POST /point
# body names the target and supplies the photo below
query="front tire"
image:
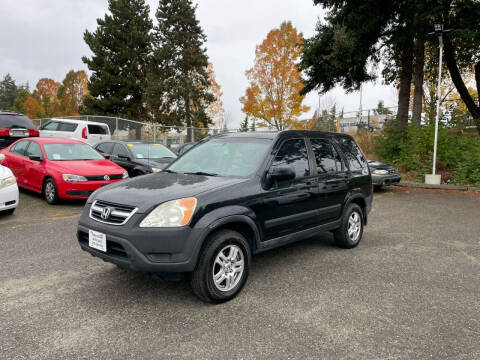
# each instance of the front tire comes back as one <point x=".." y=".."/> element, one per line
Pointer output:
<point x="222" y="268"/>
<point x="8" y="212"/>
<point x="351" y="230"/>
<point x="50" y="191"/>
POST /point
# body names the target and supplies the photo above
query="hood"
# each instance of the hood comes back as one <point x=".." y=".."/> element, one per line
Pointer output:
<point x="5" y="172"/>
<point x="156" y="163"/>
<point x="147" y="191"/>
<point x="88" y="167"/>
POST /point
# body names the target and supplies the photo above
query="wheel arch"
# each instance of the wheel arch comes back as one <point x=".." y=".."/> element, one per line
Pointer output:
<point x="242" y="224"/>
<point x="360" y="201"/>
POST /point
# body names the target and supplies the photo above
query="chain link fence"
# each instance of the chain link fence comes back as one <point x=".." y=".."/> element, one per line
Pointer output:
<point x="124" y="129"/>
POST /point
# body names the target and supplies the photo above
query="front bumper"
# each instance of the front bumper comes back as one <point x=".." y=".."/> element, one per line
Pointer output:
<point x="9" y="197"/>
<point x="149" y="250"/>
<point x="80" y="190"/>
<point x="385" y="180"/>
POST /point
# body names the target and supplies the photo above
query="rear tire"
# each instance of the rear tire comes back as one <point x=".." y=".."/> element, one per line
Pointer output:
<point x="50" y="191"/>
<point x="222" y="268"/>
<point x="350" y="232"/>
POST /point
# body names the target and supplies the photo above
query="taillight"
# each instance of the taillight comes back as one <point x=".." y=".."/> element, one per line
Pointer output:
<point x="33" y="132"/>
<point x="84" y="133"/>
<point x="4" y="132"/>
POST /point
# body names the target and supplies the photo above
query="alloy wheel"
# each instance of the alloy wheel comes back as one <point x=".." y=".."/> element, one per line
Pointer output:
<point x="228" y="268"/>
<point x="354" y="226"/>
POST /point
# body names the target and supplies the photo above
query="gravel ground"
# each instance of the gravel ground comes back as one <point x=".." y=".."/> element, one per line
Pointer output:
<point x="410" y="290"/>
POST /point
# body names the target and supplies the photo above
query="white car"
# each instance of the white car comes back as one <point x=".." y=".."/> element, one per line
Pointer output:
<point x="87" y="131"/>
<point x="8" y="189"/>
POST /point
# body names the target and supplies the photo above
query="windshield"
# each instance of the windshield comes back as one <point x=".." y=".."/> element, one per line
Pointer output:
<point x="65" y="152"/>
<point x="150" y="151"/>
<point x="224" y="157"/>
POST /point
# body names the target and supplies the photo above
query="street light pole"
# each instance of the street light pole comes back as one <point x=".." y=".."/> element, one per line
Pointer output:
<point x="438" y="28"/>
<point x="433" y="178"/>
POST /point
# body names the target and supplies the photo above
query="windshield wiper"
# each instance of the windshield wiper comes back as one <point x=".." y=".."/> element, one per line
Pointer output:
<point x="201" y="173"/>
<point x="169" y="171"/>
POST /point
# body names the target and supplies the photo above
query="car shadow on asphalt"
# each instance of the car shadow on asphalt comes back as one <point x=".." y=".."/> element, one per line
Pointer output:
<point x="60" y="202"/>
<point x="150" y="290"/>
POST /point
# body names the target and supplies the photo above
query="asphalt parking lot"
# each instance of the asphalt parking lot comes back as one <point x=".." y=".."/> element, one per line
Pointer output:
<point x="411" y="290"/>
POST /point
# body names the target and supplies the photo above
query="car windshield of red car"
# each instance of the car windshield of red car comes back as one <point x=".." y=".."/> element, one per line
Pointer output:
<point x="71" y="152"/>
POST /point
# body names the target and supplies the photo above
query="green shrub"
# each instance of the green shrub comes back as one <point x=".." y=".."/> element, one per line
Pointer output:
<point x="458" y="152"/>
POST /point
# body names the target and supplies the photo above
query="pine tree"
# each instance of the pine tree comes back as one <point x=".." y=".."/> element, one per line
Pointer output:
<point x="8" y="92"/>
<point x="121" y="45"/>
<point x="253" y="126"/>
<point x="244" y="125"/>
<point x="178" y="84"/>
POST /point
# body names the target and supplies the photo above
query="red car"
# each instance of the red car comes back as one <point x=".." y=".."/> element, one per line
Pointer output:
<point x="60" y="168"/>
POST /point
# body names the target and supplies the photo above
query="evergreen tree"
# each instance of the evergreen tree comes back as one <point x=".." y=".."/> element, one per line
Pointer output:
<point x="253" y="126"/>
<point x="244" y="125"/>
<point x="178" y="84"/>
<point x="8" y="92"/>
<point x="22" y="96"/>
<point x="121" y="45"/>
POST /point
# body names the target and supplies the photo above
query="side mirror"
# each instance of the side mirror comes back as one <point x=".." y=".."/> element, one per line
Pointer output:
<point x="2" y="157"/>
<point x="282" y="173"/>
<point x="105" y="155"/>
<point x="35" y="158"/>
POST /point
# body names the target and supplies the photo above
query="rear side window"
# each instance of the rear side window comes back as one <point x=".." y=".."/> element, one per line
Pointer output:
<point x="98" y="129"/>
<point x="353" y="155"/>
<point x="8" y="121"/>
<point x="19" y="148"/>
<point x="294" y="153"/>
<point x="67" y="127"/>
<point x="106" y="148"/>
<point x="327" y="159"/>
<point x="34" y="150"/>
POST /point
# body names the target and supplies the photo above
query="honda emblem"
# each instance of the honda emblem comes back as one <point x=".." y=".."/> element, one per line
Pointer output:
<point x="106" y="213"/>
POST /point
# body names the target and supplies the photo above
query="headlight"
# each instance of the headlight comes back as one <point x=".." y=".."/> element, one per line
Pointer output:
<point x="155" y="170"/>
<point x="380" y="172"/>
<point x="7" y="182"/>
<point x="73" y="178"/>
<point x="125" y="175"/>
<point x="171" y="214"/>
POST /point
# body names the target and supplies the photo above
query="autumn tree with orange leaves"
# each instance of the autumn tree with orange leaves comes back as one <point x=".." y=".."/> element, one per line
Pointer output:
<point x="72" y="92"/>
<point x="46" y="95"/>
<point x="215" y="110"/>
<point x="273" y="97"/>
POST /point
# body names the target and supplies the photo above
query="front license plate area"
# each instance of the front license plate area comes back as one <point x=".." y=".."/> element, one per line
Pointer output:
<point x="97" y="240"/>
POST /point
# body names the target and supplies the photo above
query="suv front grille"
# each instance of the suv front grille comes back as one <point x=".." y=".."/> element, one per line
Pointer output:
<point x="110" y="213"/>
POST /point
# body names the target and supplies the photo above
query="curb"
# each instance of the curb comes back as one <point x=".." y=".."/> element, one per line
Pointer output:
<point x="440" y="187"/>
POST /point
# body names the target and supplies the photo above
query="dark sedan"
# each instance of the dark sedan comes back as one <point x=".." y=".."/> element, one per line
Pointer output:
<point x="137" y="157"/>
<point x="383" y="174"/>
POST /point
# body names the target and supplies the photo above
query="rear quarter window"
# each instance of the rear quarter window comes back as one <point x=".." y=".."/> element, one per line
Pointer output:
<point x="9" y="121"/>
<point x="98" y="129"/>
<point x="353" y="155"/>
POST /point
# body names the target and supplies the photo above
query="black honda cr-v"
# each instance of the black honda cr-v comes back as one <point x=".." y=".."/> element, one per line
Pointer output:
<point x="229" y="197"/>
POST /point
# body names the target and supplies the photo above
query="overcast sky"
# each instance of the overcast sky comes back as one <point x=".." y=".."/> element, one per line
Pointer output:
<point x="45" y="39"/>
